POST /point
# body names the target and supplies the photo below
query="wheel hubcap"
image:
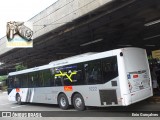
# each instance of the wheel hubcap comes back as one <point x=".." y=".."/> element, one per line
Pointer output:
<point x="63" y="102"/>
<point x="18" y="99"/>
<point x="78" y="102"/>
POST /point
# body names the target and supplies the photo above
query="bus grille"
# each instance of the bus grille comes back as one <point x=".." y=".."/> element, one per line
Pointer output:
<point x="108" y="97"/>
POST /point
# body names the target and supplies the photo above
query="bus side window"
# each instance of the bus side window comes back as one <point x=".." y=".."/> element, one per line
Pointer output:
<point x="93" y="72"/>
<point x="109" y="68"/>
<point x="47" y="78"/>
<point x="75" y="74"/>
<point x="10" y="82"/>
<point x="24" y="80"/>
<point x="52" y="72"/>
<point x="36" y="79"/>
<point x="32" y="80"/>
<point x="80" y="76"/>
<point x="41" y="79"/>
<point x="57" y="77"/>
<point x="16" y="82"/>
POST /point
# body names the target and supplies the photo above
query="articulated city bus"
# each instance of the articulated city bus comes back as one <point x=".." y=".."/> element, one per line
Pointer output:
<point x="118" y="77"/>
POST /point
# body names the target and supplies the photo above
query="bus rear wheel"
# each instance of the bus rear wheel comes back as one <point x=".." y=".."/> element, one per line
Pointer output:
<point x="18" y="99"/>
<point x="78" y="102"/>
<point x="63" y="101"/>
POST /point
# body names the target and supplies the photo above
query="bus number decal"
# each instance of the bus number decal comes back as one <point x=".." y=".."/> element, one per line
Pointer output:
<point x="92" y="88"/>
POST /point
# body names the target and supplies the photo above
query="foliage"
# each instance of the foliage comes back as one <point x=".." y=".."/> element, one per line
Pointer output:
<point x="3" y="78"/>
<point x="20" y="67"/>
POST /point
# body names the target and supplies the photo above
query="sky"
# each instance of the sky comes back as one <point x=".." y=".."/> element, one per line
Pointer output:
<point x="20" y="10"/>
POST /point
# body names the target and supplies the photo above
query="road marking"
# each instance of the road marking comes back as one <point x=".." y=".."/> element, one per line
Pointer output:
<point x="5" y="104"/>
<point x="17" y="106"/>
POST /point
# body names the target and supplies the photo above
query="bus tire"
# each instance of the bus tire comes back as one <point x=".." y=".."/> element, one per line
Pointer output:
<point x="63" y="101"/>
<point x="78" y="102"/>
<point x="18" y="99"/>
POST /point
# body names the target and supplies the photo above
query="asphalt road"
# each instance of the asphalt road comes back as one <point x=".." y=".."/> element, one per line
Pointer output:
<point x="112" y="113"/>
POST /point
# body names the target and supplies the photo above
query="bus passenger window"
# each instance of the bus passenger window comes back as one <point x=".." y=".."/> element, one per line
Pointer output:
<point x="47" y="78"/>
<point x="33" y="79"/>
<point x="93" y="72"/>
<point x="10" y="82"/>
<point x="23" y="80"/>
<point x="74" y="75"/>
<point x="16" y="82"/>
<point x="58" y="77"/>
<point x="109" y="68"/>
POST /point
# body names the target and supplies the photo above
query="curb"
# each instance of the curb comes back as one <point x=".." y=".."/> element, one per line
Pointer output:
<point x="3" y="92"/>
<point x="155" y="99"/>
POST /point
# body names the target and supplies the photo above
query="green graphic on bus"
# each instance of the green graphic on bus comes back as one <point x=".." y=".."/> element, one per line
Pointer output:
<point x="65" y="74"/>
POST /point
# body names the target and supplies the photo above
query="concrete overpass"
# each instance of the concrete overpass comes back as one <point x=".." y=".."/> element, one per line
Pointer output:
<point x="70" y="27"/>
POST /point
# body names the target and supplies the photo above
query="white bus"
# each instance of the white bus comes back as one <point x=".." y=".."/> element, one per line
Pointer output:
<point x="118" y="77"/>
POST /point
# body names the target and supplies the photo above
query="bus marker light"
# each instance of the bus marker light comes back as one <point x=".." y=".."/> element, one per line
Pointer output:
<point x="135" y="76"/>
<point x="68" y="88"/>
<point x="17" y="90"/>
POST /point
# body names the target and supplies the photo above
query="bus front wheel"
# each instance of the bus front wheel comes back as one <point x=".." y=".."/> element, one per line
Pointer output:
<point x="18" y="99"/>
<point x="63" y="101"/>
<point x="78" y="102"/>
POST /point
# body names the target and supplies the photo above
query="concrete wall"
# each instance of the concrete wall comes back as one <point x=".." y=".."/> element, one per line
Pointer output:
<point x="3" y="48"/>
<point x="58" y="14"/>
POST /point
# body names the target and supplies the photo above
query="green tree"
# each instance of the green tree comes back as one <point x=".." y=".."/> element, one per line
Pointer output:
<point x="20" y="67"/>
<point x="3" y="78"/>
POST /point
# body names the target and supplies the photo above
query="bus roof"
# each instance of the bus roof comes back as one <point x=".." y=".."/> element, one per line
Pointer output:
<point x="29" y="70"/>
<point x="72" y="60"/>
<point x="51" y="64"/>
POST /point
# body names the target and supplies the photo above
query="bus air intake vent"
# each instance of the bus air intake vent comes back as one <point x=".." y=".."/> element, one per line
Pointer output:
<point x="108" y="97"/>
<point x="114" y="83"/>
